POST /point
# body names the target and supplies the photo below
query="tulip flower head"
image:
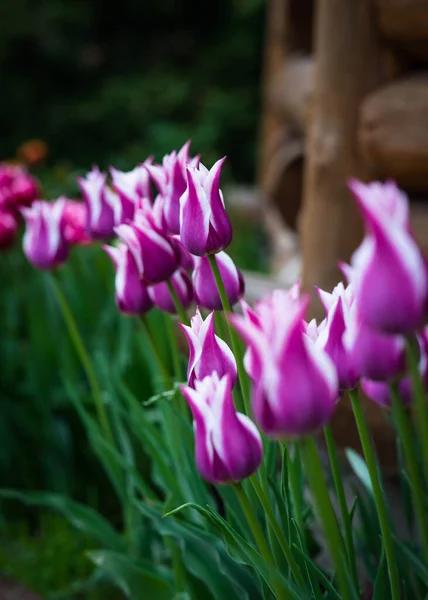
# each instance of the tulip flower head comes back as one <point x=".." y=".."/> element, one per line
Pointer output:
<point x="73" y="223"/>
<point x="130" y="187"/>
<point x="295" y="388"/>
<point x="43" y="242"/>
<point x="205" y="227"/>
<point x="8" y="229"/>
<point x="228" y="447"/>
<point x="390" y="278"/>
<point x="171" y="181"/>
<point x="206" y="292"/>
<point x="161" y="296"/>
<point x="131" y="294"/>
<point x="17" y="187"/>
<point x="155" y="255"/>
<point x="103" y="205"/>
<point x="207" y="352"/>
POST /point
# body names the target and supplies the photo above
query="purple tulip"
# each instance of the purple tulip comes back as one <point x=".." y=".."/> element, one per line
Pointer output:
<point x="390" y="280"/>
<point x="17" y="188"/>
<point x="228" y="447"/>
<point x="130" y="187"/>
<point x="104" y="206"/>
<point x="43" y="242"/>
<point x="251" y="364"/>
<point x="204" y="225"/>
<point x="8" y="228"/>
<point x="187" y="261"/>
<point x="207" y="352"/>
<point x="131" y="293"/>
<point x="156" y="258"/>
<point x="206" y="292"/>
<point x="295" y="389"/>
<point x="171" y="181"/>
<point x="161" y="296"/>
<point x="330" y="336"/>
<point x="379" y="391"/>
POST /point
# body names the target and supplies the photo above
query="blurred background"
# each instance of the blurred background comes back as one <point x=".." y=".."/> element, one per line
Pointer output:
<point x="98" y="82"/>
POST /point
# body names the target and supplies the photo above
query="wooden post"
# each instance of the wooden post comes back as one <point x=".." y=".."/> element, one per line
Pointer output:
<point x="345" y="70"/>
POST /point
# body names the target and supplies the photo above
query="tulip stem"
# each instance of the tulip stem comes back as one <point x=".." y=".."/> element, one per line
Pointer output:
<point x="340" y="492"/>
<point x="259" y="537"/>
<point x="378" y="495"/>
<point x="86" y="362"/>
<point x="405" y="431"/>
<point x="233" y="336"/>
<point x="175" y="353"/>
<point x="421" y="406"/>
<point x="178" y="305"/>
<point x="321" y="498"/>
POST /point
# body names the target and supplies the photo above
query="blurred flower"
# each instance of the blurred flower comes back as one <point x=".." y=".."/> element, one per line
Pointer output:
<point x="130" y="187"/>
<point x="73" y="222"/>
<point x="186" y="260"/>
<point x="379" y="391"/>
<point x="171" y="180"/>
<point x="43" y="242"/>
<point x="228" y="447"/>
<point x="207" y="352"/>
<point x="33" y="152"/>
<point x="132" y="297"/>
<point x="8" y="229"/>
<point x="103" y="205"/>
<point x="17" y="187"/>
<point x="251" y="364"/>
<point x="154" y="254"/>
<point x="205" y="227"/>
<point x="295" y="388"/>
<point x="389" y="276"/>
<point x="206" y="292"/>
<point x="161" y="296"/>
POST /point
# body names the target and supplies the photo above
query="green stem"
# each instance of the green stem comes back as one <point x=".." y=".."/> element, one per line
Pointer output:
<point x="178" y="305"/>
<point x="86" y="362"/>
<point x="277" y="529"/>
<point x="321" y="498"/>
<point x="175" y="353"/>
<point x="379" y="499"/>
<point x="421" y="406"/>
<point x="340" y="492"/>
<point x="296" y="492"/>
<point x="259" y="537"/>
<point x="405" y="430"/>
<point x="243" y="379"/>
<point x="155" y="352"/>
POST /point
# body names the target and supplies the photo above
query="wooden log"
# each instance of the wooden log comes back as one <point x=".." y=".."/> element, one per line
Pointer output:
<point x="405" y="22"/>
<point x="393" y="132"/>
<point x="346" y="69"/>
<point x="291" y="90"/>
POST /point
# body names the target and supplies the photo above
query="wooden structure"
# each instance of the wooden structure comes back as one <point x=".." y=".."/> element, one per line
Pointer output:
<point x="345" y="94"/>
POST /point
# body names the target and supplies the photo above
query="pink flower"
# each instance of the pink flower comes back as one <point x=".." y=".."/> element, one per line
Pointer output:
<point x="17" y="187"/>
<point x="43" y="243"/>
<point x="73" y="224"/>
<point x="161" y="296"/>
<point x="228" y="447"/>
<point x="204" y="225"/>
<point x="132" y="297"/>
<point x="131" y="186"/>
<point x="208" y="353"/>
<point x="103" y="205"/>
<point x="206" y="292"/>
<point x="8" y="229"/>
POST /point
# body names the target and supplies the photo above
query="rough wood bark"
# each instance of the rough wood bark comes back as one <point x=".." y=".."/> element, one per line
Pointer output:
<point x="393" y="132"/>
<point x="291" y="90"/>
<point x="345" y="51"/>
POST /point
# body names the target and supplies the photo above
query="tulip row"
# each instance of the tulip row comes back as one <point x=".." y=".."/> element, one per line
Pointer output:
<point x="169" y="252"/>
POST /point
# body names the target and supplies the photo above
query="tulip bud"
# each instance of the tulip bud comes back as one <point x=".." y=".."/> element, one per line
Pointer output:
<point x="204" y="225"/>
<point x="207" y="352"/>
<point x="171" y="181"/>
<point x="8" y="229"/>
<point x="296" y="388"/>
<point x="161" y="296"/>
<point x="43" y="243"/>
<point x="103" y="205"/>
<point x="155" y="256"/>
<point x="73" y="222"/>
<point x="228" y="447"/>
<point x="131" y="294"/>
<point x="130" y="187"/>
<point x="206" y="292"/>
<point x="390" y="279"/>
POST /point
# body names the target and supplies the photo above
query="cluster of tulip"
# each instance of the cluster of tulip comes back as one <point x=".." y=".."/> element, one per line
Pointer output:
<point x="169" y="252"/>
<point x="17" y="189"/>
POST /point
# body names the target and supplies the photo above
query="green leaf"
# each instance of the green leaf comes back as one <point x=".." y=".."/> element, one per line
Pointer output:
<point x="82" y="517"/>
<point x="136" y="581"/>
<point x="406" y="554"/>
<point x="381" y="584"/>
<point x="319" y="575"/>
<point x="359" y="467"/>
